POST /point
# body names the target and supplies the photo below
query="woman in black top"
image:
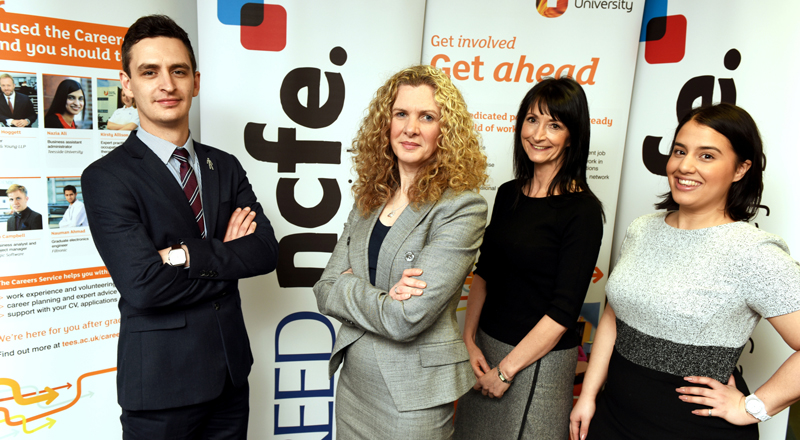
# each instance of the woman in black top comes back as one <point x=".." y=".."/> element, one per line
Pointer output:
<point x="536" y="262"/>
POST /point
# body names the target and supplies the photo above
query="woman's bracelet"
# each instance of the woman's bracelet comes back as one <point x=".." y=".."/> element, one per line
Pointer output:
<point x="502" y="377"/>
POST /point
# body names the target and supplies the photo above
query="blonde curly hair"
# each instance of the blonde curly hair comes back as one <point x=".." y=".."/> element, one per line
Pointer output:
<point x="458" y="162"/>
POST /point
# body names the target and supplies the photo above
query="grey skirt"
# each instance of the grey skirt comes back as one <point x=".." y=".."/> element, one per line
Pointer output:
<point x="536" y="406"/>
<point x="365" y="409"/>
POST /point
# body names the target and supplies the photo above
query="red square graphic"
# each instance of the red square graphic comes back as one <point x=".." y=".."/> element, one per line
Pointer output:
<point x="672" y="46"/>
<point x="269" y="34"/>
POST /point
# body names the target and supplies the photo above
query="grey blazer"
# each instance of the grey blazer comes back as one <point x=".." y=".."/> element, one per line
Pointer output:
<point x="420" y="350"/>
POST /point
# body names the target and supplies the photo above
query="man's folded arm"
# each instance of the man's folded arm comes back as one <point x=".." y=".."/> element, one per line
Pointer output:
<point x="247" y="256"/>
<point x="135" y="264"/>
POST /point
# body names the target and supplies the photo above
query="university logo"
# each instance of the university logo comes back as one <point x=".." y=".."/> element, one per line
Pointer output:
<point x="263" y="27"/>
<point x="551" y="8"/>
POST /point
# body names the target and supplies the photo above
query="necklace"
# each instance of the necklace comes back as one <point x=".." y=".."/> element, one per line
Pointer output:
<point x="391" y="213"/>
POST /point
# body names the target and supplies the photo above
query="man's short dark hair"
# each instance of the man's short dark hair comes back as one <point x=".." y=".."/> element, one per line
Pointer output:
<point x="152" y="26"/>
<point x="70" y="188"/>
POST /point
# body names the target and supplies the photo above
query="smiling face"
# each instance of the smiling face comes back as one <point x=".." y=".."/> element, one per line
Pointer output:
<point x="162" y="83"/>
<point x="75" y="102"/>
<point x="414" y="127"/>
<point x="543" y="137"/>
<point x="18" y="201"/>
<point x="7" y="86"/>
<point x="701" y="169"/>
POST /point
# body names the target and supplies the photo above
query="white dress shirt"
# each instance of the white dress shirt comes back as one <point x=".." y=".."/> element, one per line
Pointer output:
<point x="75" y="216"/>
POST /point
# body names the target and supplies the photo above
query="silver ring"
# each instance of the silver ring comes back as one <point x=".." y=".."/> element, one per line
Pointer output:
<point x="709" y="412"/>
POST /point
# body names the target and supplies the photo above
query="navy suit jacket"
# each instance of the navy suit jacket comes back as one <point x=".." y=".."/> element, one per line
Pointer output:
<point x="23" y="108"/>
<point x="181" y="330"/>
<point x="30" y="220"/>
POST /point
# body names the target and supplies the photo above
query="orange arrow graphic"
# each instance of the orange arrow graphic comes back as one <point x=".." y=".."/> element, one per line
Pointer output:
<point x="597" y="275"/>
<point x="48" y="396"/>
<point x="67" y="386"/>
<point x="74" y="401"/>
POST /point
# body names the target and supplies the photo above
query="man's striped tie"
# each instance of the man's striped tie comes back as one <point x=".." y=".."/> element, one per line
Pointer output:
<point x="190" y="188"/>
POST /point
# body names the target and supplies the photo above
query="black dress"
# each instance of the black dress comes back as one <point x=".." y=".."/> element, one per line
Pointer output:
<point x="537" y="257"/>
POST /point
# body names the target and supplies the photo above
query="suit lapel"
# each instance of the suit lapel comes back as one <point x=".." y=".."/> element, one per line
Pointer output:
<point x="4" y="106"/>
<point x="163" y="180"/>
<point x="210" y="179"/>
<point x="25" y="221"/>
<point x="408" y="220"/>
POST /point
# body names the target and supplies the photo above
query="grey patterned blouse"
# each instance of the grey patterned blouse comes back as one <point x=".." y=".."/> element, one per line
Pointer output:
<point x="687" y="300"/>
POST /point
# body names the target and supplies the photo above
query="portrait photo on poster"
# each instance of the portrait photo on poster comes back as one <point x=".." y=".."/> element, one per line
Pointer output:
<point x="20" y="103"/>
<point x="115" y="110"/>
<point x="67" y="102"/>
<point x="65" y="203"/>
<point x="16" y="213"/>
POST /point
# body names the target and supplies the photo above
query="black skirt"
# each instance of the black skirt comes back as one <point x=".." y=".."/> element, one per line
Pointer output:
<point x="640" y="403"/>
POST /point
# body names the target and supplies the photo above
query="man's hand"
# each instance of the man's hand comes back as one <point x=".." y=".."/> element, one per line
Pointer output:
<point x="240" y="224"/>
<point x="19" y="123"/>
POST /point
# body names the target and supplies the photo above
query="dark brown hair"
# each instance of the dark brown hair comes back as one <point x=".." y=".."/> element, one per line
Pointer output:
<point x="152" y="26"/>
<point x="744" y="196"/>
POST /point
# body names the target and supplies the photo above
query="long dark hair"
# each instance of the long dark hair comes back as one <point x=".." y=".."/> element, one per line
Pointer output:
<point x="733" y="122"/>
<point x="564" y="100"/>
<point x="59" y="104"/>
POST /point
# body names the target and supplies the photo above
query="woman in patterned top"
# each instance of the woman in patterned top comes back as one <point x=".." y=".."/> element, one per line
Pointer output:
<point x="690" y="286"/>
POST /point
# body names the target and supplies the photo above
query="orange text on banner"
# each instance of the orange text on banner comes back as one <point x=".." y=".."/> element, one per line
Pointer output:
<point x="61" y="276"/>
<point x="55" y="41"/>
<point x="514" y="72"/>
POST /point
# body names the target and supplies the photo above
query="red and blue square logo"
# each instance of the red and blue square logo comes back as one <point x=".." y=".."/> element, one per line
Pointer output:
<point x="664" y="35"/>
<point x="263" y="27"/>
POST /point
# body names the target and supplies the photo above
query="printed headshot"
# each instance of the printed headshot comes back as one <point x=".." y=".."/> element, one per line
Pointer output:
<point x="65" y="203"/>
<point x="68" y="102"/>
<point x="20" y="102"/>
<point x="16" y="214"/>
<point x="115" y="110"/>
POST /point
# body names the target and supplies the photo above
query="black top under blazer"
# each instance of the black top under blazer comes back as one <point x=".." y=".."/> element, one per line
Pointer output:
<point x="420" y="349"/>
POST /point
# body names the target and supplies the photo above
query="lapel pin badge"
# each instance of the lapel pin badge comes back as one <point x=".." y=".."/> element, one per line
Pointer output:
<point x="409" y="256"/>
<point x="210" y="164"/>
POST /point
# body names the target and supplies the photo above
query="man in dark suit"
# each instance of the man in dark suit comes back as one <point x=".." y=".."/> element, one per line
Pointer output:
<point x="177" y="224"/>
<point x="24" y="218"/>
<point x="16" y="109"/>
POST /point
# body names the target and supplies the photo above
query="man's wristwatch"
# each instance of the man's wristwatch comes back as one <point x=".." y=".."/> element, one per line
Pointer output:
<point x="755" y="407"/>
<point x="176" y="256"/>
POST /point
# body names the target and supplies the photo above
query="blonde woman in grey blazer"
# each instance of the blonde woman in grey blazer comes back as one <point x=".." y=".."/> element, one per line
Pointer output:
<point x="395" y="277"/>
